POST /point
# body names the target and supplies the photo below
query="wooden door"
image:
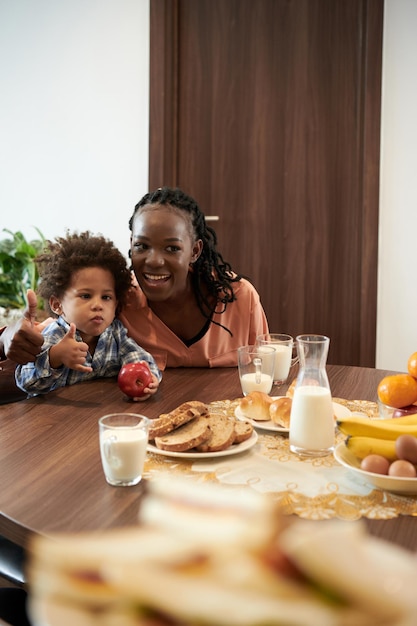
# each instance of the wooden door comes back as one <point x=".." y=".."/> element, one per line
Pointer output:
<point x="268" y="113"/>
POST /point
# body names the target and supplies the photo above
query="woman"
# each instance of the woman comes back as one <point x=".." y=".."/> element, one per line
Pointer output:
<point x="188" y="308"/>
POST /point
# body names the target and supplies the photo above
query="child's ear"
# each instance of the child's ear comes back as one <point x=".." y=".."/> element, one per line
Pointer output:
<point x="55" y="305"/>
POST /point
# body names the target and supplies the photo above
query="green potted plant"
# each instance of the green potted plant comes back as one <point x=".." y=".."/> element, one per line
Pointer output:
<point x="18" y="272"/>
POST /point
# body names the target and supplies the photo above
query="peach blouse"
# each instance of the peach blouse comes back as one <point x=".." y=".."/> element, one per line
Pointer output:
<point x="244" y="317"/>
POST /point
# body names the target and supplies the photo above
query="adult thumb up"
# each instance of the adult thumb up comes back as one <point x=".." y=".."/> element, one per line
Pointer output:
<point x="32" y="306"/>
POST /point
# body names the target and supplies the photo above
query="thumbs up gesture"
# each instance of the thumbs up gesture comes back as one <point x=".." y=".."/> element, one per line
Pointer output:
<point x="21" y="342"/>
<point x="69" y="352"/>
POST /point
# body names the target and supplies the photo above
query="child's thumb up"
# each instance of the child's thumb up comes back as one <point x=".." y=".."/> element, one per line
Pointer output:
<point x="71" y="331"/>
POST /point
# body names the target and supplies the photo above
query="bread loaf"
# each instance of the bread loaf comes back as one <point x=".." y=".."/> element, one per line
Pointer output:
<point x="222" y="433"/>
<point x="280" y="411"/>
<point x="256" y="406"/>
<point x="186" y="437"/>
<point x="243" y="431"/>
<point x="167" y="422"/>
<point x="191" y="426"/>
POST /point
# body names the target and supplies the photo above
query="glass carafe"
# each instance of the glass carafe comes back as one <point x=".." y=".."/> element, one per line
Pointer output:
<point x="312" y="426"/>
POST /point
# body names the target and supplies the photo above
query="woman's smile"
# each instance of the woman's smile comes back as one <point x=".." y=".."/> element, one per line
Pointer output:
<point x="157" y="278"/>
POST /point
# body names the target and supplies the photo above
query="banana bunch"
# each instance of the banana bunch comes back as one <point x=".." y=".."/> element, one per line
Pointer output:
<point x="366" y="436"/>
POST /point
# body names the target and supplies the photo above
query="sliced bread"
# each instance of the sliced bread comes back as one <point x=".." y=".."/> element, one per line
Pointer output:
<point x="243" y="431"/>
<point x="222" y="434"/>
<point x="168" y="422"/>
<point x="185" y="437"/>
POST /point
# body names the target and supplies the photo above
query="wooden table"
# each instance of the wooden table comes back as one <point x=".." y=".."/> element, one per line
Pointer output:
<point x="51" y="477"/>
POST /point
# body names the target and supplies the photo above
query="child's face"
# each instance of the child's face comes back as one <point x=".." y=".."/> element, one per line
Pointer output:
<point x="90" y="301"/>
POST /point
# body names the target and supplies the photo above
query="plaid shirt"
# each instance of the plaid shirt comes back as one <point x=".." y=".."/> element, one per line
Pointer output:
<point x="114" y="349"/>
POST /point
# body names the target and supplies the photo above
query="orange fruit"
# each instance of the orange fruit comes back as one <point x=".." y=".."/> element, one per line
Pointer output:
<point x="412" y="365"/>
<point x="398" y="390"/>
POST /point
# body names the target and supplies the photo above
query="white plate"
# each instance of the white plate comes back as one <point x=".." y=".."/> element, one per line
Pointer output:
<point x="340" y="411"/>
<point x="192" y="454"/>
<point x="406" y="486"/>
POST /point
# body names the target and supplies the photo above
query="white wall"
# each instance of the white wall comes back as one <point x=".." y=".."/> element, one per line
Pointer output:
<point x="397" y="277"/>
<point x="74" y="112"/>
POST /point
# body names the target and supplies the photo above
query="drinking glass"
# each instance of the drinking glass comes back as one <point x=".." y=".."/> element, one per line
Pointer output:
<point x="123" y="442"/>
<point x="256" y="368"/>
<point x="284" y="360"/>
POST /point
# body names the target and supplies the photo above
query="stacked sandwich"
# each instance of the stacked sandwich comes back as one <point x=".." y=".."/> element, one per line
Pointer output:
<point x="207" y="555"/>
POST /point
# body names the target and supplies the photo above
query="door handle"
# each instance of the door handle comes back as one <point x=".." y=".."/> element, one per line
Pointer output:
<point x="212" y="218"/>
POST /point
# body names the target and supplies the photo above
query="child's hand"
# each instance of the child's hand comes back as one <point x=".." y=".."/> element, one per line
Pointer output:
<point x="150" y="390"/>
<point x="69" y="352"/>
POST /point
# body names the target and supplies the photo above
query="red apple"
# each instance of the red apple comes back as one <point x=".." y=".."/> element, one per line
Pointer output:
<point x="133" y="378"/>
<point x="405" y="410"/>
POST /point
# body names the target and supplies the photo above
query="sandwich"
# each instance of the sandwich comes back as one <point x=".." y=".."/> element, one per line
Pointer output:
<point x="203" y="556"/>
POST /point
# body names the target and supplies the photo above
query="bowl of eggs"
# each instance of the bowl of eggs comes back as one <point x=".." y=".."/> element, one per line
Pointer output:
<point x="383" y="452"/>
<point x="397" y="475"/>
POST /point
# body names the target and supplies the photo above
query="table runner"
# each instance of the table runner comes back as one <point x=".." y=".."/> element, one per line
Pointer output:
<point x="318" y="488"/>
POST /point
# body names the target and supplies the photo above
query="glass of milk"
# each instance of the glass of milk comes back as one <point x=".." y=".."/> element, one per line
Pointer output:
<point x="123" y="442"/>
<point x="312" y="424"/>
<point x="284" y="360"/>
<point x="256" y="368"/>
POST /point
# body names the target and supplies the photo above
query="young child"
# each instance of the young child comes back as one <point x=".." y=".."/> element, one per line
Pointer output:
<point x="84" y="281"/>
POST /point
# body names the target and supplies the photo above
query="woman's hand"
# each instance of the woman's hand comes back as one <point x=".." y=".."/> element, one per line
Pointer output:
<point x="22" y="342"/>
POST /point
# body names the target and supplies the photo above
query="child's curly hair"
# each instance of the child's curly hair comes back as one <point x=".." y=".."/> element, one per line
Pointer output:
<point x="66" y="255"/>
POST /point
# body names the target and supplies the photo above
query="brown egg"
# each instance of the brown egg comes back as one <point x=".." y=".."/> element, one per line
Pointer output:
<point x="375" y="463"/>
<point x="403" y="469"/>
<point x="406" y="448"/>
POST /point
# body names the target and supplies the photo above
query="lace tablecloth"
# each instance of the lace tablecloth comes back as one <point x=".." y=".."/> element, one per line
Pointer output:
<point x="316" y="489"/>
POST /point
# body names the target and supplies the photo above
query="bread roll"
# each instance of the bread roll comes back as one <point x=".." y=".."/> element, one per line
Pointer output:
<point x="256" y="406"/>
<point x="290" y="390"/>
<point x="280" y="411"/>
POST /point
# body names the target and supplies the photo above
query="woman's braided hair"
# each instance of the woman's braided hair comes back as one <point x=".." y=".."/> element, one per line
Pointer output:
<point x="66" y="255"/>
<point x="210" y="268"/>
